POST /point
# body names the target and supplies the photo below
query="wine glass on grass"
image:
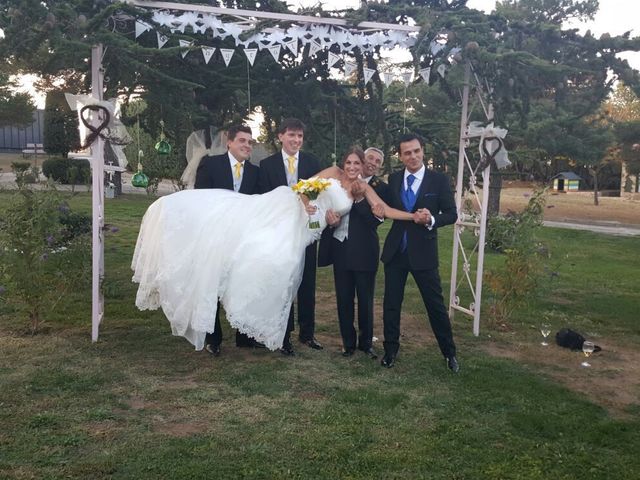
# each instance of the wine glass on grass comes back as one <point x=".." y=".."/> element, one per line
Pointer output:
<point x="587" y="349"/>
<point x="545" y="330"/>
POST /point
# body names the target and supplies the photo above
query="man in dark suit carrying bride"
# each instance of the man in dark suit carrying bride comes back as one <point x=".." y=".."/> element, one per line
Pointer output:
<point x="230" y="171"/>
<point x="286" y="167"/>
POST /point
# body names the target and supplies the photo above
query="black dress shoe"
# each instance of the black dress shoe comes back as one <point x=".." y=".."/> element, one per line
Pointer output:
<point x="348" y="352"/>
<point x="388" y="360"/>
<point x="313" y="343"/>
<point x="213" y="349"/>
<point x="452" y="363"/>
<point x="287" y="350"/>
<point x="371" y="353"/>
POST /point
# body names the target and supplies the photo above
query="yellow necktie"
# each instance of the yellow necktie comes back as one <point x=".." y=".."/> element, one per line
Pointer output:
<point x="238" y="166"/>
<point x="292" y="164"/>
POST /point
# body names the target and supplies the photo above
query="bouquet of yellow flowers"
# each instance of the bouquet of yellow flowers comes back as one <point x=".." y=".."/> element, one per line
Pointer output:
<point x="311" y="188"/>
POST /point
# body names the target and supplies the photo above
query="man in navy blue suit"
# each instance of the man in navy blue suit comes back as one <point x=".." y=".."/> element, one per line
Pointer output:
<point x="413" y="248"/>
<point x="286" y="167"/>
<point x="229" y="171"/>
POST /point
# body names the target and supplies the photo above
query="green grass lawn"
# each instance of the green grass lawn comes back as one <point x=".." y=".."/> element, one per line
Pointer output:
<point x="143" y="404"/>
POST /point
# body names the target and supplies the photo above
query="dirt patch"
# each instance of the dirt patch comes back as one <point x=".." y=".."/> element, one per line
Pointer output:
<point x="575" y="207"/>
<point x="180" y="429"/>
<point x="612" y="381"/>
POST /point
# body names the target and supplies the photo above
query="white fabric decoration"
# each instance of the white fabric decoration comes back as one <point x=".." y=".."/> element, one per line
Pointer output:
<point x="275" y="52"/>
<point x="207" y="52"/>
<point x="368" y="73"/>
<point x="141" y="27"/>
<point x="476" y="129"/>
<point x="406" y="77"/>
<point x="425" y="73"/>
<point x="251" y="54"/>
<point x="162" y="39"/>
<point x="314" y="47"/>
<point x="349" y="68"/>
<point x="333" y="59"/>
<point x="227" y="53"/>
<point x="442" y="70"/>
<point x="184" y="43"/>
<point x="293" y="46"/>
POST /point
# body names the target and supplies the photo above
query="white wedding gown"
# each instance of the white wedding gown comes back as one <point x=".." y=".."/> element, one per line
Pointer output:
<point x="198" y="246"/>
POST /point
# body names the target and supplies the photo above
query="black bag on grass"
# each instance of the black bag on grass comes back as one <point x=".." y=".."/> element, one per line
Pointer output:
<point x="567" y="338"/>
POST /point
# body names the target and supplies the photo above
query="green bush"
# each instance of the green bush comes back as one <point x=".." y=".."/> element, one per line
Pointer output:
<point x="24" y="173"/>
<point x="73" y="171"/>
<point x="44" y="252"/>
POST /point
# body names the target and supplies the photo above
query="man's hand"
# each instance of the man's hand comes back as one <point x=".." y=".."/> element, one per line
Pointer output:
<point x="333" y="219"/>
<point x="378" y="210"/>
<point x="422" y="217"/>
<point x="357" y="189"/>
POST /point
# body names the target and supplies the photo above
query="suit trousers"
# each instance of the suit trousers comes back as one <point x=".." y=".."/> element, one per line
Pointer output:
<point x="428" y="282"/>
<point x="306" y="297"/>
<point x="215" y="338"/>
<point x="349" y="285"/>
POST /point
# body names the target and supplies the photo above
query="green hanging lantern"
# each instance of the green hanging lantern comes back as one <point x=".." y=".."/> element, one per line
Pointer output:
<point x="163" y="147"/>
<point x="140" y="179"/>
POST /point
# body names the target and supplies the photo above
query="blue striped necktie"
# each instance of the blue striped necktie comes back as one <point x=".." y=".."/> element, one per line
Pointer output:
<point x="408" y="200"/>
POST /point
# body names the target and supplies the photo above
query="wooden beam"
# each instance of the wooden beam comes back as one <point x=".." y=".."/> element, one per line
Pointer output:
<point x="244" y="14"/>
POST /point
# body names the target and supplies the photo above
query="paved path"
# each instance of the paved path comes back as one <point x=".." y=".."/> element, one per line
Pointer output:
<point x="609" y="228"/>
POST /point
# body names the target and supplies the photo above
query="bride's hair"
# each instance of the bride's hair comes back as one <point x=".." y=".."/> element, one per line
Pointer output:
<point x="355" y="150"/>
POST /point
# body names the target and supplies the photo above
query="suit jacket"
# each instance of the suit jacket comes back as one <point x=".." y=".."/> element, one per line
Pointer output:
<point x="422" y="244"/>
<point x="215" y="172"/>
<point x="273" y="175"/>
<point x="381" y="188"/>
<point x="361" y="250"/>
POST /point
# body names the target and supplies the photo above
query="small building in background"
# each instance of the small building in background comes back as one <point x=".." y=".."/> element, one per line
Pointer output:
<point x="566" y="182"/>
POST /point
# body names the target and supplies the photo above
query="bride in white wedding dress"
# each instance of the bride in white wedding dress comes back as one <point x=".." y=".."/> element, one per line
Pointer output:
<point x="197" y="246"/>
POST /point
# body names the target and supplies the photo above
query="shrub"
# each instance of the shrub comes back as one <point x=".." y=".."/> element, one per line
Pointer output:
<point x="517" y="281"/>
<point x="67" y="170"/>
<point x="43" y="251"/>
<point x="23" y="172"/>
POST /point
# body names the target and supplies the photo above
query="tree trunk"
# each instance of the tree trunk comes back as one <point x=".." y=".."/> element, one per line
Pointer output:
<point x="595" y="189"/>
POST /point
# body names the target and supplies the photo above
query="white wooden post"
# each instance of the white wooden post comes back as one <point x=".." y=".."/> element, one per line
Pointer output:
<point x="472" y="92"/>
<point x="97" y="175"/>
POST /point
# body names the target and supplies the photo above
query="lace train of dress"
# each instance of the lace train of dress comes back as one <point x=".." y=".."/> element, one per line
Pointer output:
<point x="197" y="246"/>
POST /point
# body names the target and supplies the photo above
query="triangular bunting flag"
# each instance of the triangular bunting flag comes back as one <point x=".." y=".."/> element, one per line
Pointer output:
<point x="207" y="52"/>
<point x="349" y="68"/>
<point x="184" y="43"/>
<point x="406" y="77"/>
<point x="333" y="59"/>
<point x="387" y="78"/>
<point x="368" y="73"/>
<point x="274" y="50"/>
<point x="293" y="46"/>
<point x="442" y="69"/>
<point x="227" y="53"/>
<point x="425" y="73"/>
<point x="141" y="27"/>
<point x="251" y="54"/>
<point x="314" y="47"/>
<point x="162" y="39"/>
